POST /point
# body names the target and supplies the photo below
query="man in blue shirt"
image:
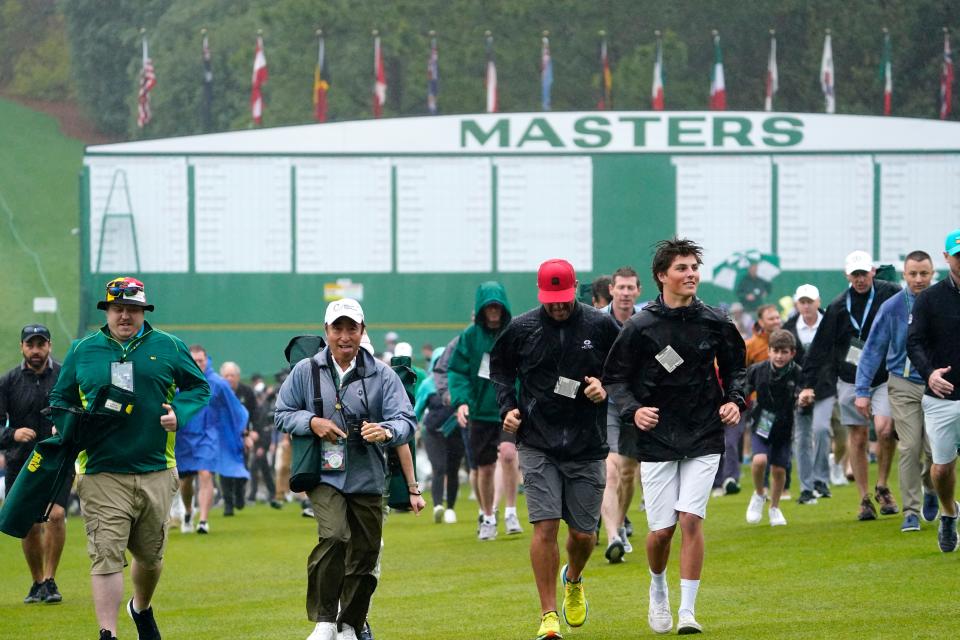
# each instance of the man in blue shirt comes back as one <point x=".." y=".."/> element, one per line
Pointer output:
<point x="888" y="344"/>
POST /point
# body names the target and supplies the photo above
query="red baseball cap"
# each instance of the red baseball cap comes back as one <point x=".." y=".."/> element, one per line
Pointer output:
<point x="557" y="282"/>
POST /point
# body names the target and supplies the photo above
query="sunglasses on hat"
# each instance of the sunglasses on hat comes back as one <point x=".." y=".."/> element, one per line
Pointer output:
<point x="121" y="288"/>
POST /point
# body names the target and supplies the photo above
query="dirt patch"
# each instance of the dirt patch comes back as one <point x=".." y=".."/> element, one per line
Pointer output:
<point x="72" y="121"/>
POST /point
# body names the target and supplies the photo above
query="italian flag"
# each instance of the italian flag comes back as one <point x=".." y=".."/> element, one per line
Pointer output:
<point x="718" y="89"/>
<point x="886" y="68"/>
<point x="656" y="94"/>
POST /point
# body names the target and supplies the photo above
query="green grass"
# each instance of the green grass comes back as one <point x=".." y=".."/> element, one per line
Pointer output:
<point x="823" y="575"/>
<point x="38" y="188"/>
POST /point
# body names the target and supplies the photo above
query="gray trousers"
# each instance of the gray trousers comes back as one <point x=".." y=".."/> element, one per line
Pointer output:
<point x="732" y="440"/>
<point x="912" y="443"/>
<point x="340" y="568"/>
<point x="811" y="442"/>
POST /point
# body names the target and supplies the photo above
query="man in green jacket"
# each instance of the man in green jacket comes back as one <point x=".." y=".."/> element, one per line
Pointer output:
<point x="128" y="477"/>
<point x="475" y="400"/>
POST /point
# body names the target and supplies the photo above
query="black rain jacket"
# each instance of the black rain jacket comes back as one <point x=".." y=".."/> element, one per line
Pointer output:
<point x="690" y="397"/>
<point x="23" y="395"/>
<point x="537" y="350"/>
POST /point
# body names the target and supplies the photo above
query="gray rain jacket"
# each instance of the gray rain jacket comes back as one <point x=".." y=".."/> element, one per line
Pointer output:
<point x="373" y="389"/>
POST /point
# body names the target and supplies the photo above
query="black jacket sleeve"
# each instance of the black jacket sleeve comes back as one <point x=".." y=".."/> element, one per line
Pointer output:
<point x="918" y="347"/>
<point x="820" y="354"/>
<point x="731" y="358"/>
<point x="503" y="368"/>
<point x="620" y="368"/>
<point x="6" y="433"/>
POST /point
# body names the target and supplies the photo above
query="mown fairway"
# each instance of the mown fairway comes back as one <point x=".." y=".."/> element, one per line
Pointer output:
<point x="822" y="576"/>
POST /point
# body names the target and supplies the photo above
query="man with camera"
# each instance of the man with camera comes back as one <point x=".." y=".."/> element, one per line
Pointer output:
<point x="363" y="408"/>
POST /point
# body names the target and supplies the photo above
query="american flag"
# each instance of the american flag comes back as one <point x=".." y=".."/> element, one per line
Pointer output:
<point x="148" y="79"/>
<point x="946" y="78"/>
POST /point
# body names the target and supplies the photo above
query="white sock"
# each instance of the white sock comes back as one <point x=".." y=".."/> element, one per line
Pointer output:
<point x="688" y="594"/>
<point x="509" y="511"/>
<point x="658" y="585"/>
<point x="489" y="519"/>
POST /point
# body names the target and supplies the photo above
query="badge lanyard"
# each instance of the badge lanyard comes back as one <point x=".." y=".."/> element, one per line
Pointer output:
<point x="866" y="312"/>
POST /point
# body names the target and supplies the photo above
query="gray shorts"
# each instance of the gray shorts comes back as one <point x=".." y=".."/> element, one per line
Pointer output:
<point x="613" y="427"/>
<point x="847" y="395"/>
<point x="568" y="490"/>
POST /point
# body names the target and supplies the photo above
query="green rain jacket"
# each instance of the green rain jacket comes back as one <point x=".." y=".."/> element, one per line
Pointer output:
<point x="162" y="365"/>
<point x="464" y="369"/>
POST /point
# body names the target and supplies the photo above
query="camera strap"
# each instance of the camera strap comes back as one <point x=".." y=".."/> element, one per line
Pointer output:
<point x="317" y="394"/>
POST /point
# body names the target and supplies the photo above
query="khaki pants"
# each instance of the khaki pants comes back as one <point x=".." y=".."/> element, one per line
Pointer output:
<point x="284" y="458"/>
<point x="913" y="445"/>
<point x="340" y="568"/>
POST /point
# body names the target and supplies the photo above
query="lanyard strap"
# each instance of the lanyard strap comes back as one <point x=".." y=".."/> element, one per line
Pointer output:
<point x="866" y="312"/>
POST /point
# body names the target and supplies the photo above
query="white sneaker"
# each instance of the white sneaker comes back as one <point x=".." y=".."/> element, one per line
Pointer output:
<point x="687" y="624"/>
<point x="324" y="631"/>
<point x="622" y="534"/>
<point x="488" y="531"/>
<point x="776" y="517"/>
<point x="450" y="516"/>
<point x="755" y="508"/>
<point x="717" y="492"/>
<point x="438" y="513"/>
<point x="186" y="525"/>
<point x="658" y="616"/>
<point x="348" y="633"/>
<point x="512" y="524"/>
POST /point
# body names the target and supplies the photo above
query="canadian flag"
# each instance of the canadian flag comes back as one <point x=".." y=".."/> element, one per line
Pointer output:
<point x="380" y="79"/>
<point x="718" y="88"/>
<point x="656" y="93"/>
<point x="260" y="76"/>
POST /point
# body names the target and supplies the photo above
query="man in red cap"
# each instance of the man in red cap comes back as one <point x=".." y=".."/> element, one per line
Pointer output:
<point x="559" y="416"/>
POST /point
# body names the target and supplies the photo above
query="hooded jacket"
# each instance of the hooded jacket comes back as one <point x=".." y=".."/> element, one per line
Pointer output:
<point x="464" y="368"/>
<point x="690" y="397"/>
<point x="538" y="350"/>
<point x="371" y="389"/>
<point x="161" y="365"/>
<point x="23" y="395"/>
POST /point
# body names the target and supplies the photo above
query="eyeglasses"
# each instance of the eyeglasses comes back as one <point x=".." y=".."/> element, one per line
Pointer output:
<point x="122" y="289"/>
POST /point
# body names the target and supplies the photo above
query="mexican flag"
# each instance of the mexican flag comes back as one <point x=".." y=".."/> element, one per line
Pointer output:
<point x="656" y="93"/>
<point x="886" y="69"/>
<point x="718" y="89"/>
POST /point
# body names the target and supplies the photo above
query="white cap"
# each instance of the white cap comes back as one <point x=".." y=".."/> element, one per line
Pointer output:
<point x="806" y="291"/>
<point x="345" y="307"/>
<point x="403" y="349"/>
<point x="858" y="261"/>
<point x="391" y="336"/>
<point x="366" y="344"/>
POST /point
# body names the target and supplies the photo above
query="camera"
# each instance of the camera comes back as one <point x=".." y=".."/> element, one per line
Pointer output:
<point x="353" y="423"/>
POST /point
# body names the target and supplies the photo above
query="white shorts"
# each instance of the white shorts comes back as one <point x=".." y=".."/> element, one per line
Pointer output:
<point x="941" y="420"/>
<point x="675" y="486"/>
<point x="847" y="396"/>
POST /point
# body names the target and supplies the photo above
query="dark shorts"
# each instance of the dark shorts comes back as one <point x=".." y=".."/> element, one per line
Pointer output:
<point x="485" y="439"/>
<point x="63" y="498"/>
<point x="778" y="453"/>
<point x="568" y="490"/>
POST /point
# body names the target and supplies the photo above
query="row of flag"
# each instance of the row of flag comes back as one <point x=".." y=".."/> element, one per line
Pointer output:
<point x="718" y="92"/>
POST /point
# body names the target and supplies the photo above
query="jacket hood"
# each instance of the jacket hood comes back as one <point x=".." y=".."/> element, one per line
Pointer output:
<point x="660" y="308"/>
<point x="488" y="293"/>
<point x="437" y="353"/>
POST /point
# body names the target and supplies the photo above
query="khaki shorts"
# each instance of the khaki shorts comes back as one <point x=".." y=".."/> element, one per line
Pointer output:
<point x="126" y="511"/>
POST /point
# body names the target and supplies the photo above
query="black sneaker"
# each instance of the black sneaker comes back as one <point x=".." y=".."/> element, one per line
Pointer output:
<point x="867" y="510"/>
<point x="821" y="490"/>
<point x="146" y="625"/>
<point x="276" y="504"/>
<point x="807" y="497"/>
<point x="366" y="633"/>
<point x="731" y="487"/>
<point x="51" y="594"/>
<point x="628" y="527"/>
<point x="947" y="533"/>
<point x="36" y="593"/>
<point x="106" y="635"/>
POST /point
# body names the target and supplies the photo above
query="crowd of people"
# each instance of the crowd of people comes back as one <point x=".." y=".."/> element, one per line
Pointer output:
<point x="575" y="403"/>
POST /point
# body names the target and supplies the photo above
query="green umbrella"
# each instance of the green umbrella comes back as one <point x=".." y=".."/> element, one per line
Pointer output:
<point x="729" y="272"/>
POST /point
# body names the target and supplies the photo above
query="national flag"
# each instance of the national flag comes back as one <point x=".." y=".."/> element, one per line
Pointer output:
<point x="946" y="78"/>
<point x="490" y="77"/>
<point x="656" y="93"/>
<point x="433" y="76"/>
<point x="260" y="76"/>
<point x="379" y="78"/>
<point x="718" y="88"/>
<point x="546" y="74"/>
<point x="826" y="75"/>
<point x="886" y="71"/>
<point x="148" y="79"/>
<point x="321" y="81"/>
<point x="606" y="78"/>
<point x="772" y="79"/>
<point x="207" y="83"/>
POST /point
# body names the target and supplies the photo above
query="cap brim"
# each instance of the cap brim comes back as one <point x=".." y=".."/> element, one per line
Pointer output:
<point x="564" y="295"/>
<point x="954" y="250"/>
<point x="103" y="304"/>
<point x="343" y="315"/>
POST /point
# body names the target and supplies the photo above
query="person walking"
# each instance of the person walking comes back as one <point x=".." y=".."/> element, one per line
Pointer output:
<point x="129" y="477"/>
<point x="661" y="372"/>
<point x="558" y="413"/>
<point x="24" y="394"/>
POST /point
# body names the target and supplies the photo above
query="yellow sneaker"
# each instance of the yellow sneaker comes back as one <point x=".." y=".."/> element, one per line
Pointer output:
<point x="574" y="601"/>
<point x="549" y="626"/>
